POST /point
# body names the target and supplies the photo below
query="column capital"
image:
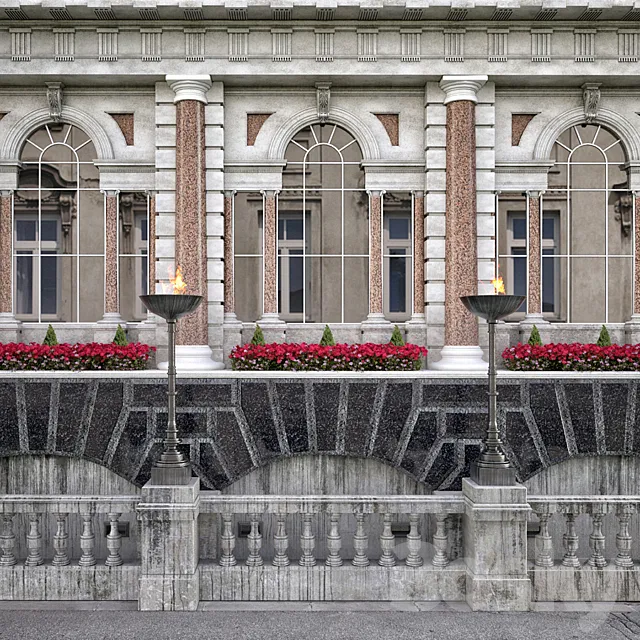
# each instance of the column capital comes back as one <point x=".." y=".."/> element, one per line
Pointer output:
<point x="462" y="87"/>
<point x="534" y="193"/>
<point x="418" y="193"/>
<point x="190" y="87"/>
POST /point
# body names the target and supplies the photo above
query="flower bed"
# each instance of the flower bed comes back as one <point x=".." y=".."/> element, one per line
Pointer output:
<point x="92" y="356"/>
<point x="572" y="357"/>
<point x="339" y="357"/>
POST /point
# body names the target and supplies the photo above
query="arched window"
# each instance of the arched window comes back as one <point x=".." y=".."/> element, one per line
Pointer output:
<point x="59" y="232"/>
<point x="586" y="231"/>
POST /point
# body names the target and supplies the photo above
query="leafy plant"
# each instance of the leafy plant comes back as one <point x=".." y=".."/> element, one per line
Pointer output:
<point x="604" y="339"/>
<point x="120" y="338"/>
<point x="396" y="337"/>
<point x="258" y="336"/>
<point x="50" y="340"/>
<point x="534" y="338"/>
<point x="327" y="337"/>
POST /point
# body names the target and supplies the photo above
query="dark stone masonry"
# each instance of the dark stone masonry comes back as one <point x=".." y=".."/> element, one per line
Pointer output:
<point x="431" y="428"/>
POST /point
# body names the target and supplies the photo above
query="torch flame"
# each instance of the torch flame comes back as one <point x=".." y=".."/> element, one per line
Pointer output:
<point x="498" y="285"/>
<point x="176" y="284"/>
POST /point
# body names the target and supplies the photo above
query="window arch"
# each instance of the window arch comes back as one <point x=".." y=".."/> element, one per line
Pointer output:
<point x="587" y="221"/>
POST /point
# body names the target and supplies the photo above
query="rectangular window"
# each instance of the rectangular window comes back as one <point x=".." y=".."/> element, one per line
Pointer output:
<point x="293" y="270"/>
<point x="397" y="256"/>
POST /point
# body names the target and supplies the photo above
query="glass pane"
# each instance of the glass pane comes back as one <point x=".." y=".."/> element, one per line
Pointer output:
<point x="293" y="227"/>
<point x="554" y="285"/>
<point x="91" y="289"/>
<point x="549" y="227"/>
<point x="133" y="281"/>
<point x="587" y="290"/>
<point x="509" y="205"/>
<point x="588" y="210"/>
<point x="326" y="221"/>
<point x="248" y="224"/>
<point x="26" y="229"/>
<point x="399" y="228"/>
<point x="397" y="284"/>
<point x="620" y="289"/>
<point x="24" y="268"/>
<point x="324" y="290"/>
<point x="49" y="230"/>
<point x="90" y="221"/>
<point x="144" y="228"/>
<point x="280" y="229"/>
<point x="356" y="223"/>
<point x="58" y="288"/>
<point x="620" y="218"/>
<point x="290" y="284"/>
<point x="61" y="161"/>
<point x="514" y="273"/>
<point x="356" y="289"/>
<point x="49" y="283"/>
<point x="519" y="228"/>
<point x="248" y="288"/>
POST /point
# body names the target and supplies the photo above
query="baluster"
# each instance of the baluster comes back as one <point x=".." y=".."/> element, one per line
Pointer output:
<point x="570" y="542"/>
<point x="544" y="542"/>
<point x="596" y="541"/>
<point x="387" y="559"/>
<point x="87" y="542"/>
<point x="360" y="543"/>
<point x="281" y="544"/>
<point x="34" y="542"/>
<point x="414" y="542"/>
<point x="114" y="542"/>
<point x="61" y="542"/>
<point x="254" y="540"/>
<point x="623" y="538"/>
<point x="227" y="543"/>
<point x="307" y="542"/>
<point x="334" y="542"/>
<point x="441" y="542"/>
<point x="7" y="541"/>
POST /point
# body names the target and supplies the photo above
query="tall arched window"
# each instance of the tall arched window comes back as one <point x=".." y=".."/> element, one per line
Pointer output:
<point x="586" y="231"/>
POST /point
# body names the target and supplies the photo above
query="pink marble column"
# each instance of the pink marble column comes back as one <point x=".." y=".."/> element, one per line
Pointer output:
<point x="191" y="221"/>
<point x="461" y="351"/>
<point x="229" y="292"/>
<point x="270" y="275"/>
<point x="5" y="254"/>
<point x="534" y="253"/>
<point x="418" y="255"/>
<point x="376" y="312"/>
<point x="111" y="293"/>
<point x="636" y="232"/>
<point x="152" y="244"/>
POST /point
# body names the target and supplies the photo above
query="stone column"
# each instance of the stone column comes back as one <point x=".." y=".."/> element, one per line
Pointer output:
<point x="632" y="327"/>
<point x="461" y="351"/>
<point x="416" y="327"/>
<point x="270" y="322"/>
<point x="375" y="328"/>
<point x="9" y="326"/>
<point x="105" y="329"/>
<point x="147" y="330"/>
<point x="169" y="574"/>
<point x="534" y="261"/>
<point x="192" y="336"/>
<point x="232" y="327"/>
<point x="495" y="547"/>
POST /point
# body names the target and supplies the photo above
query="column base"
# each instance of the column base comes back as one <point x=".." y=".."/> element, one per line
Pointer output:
<point x="105" y="329"/>
<point x="533" y="318"/>
<point x="169" y="593"/>
<point x="632" y="329"/>
<point x="492" y="476"/>
<point x="376" y="328"/>
<point x="416" y="330"/>
<point x="273" y="328"/>
<point x="460" y="358"/>
<point x="193" y="357"/>
<point x="10" y="328"/>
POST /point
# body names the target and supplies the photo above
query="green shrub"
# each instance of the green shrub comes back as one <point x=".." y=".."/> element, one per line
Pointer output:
<point x="327" y="337"/>
<point x="534" y="338"/>
<point x="396" y="337"/>
<point x="120" y="338"/>
<point x="50" y="340"/>
<point x="258" y="336"/>
<point x="604" y="339"/>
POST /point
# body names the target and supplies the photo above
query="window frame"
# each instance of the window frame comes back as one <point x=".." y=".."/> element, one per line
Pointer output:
<point x="388" y="245"/>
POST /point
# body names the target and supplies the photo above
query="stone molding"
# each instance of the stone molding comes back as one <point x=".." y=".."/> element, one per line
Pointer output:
<point x="462" y="87"/>
<point x="26" y="125"/>
<point x="190" y="88"/>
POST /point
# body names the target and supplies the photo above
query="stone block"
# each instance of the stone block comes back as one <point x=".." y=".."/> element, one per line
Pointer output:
<point x="214" y="137"/>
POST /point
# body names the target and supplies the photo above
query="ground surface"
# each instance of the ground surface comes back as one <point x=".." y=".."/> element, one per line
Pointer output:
<point x="311" y="621"/>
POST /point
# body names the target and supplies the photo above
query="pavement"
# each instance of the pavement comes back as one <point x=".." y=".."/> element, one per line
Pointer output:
<point x="311" y="621"/>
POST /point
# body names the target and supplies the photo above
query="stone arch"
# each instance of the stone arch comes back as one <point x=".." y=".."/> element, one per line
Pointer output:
<point x="32" y="121"/>
<point x="354" y="125"/>
<point x="610" y="119"/>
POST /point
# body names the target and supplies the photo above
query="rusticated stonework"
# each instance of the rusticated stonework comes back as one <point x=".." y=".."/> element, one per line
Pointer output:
<point x="254" y="124"/>
<point x="519" y="122"/>
<point x="125" y="121"/>
<point x="391" y="124"/>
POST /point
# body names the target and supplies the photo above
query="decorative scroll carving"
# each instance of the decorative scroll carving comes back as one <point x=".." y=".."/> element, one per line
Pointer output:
<point x="323" y="100"/>
<point x="623" y="208"/>
<point x="254" y="124"/>
<point x="125" y="122"/>
<point x="591" y="99"/>
<point x="55" y="98"/>
<point x="391" y="124"/>
<point x="519" y="122"/>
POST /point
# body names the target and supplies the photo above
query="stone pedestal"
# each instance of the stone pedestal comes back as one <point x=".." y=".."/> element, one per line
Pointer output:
<point x="169" y="577"/>
<point x="495" y="544"/>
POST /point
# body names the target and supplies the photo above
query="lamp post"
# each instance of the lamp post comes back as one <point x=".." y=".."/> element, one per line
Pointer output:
<point x="172" y="467"/>
<point x="492" y="468"/>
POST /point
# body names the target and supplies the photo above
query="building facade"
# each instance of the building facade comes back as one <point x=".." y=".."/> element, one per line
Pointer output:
<point x="357" y="165"/>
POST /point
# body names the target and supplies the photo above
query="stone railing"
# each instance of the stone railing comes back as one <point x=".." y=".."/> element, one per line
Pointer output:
<point x="335" y="547"/>
<point x="585" y="548"/>
<point x="54" y="549"/>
